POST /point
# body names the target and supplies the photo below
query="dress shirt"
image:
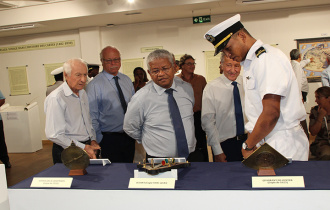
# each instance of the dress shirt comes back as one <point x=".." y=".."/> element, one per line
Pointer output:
<point x="67" y="117"/>
<point x="105" y="108"/>
<point x="325" y="76"/>
<point x="271" y="73"/>
<point x="300" y="74"/>
<point x="148" y="118"/>
<point x="198" y="83"/>
<point x="218" y="111"/>
<point x="1" y="97"/>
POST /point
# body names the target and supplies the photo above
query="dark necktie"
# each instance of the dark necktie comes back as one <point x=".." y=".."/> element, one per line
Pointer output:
<point x="121" y="95"/>
<point x="180" y="134"/>
<point x="238" y="110"/>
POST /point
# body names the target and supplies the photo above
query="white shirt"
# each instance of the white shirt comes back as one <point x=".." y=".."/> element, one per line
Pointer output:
<point x="271" y="73"/>
<point x="67" y="117"/>
<point x="148" y="118"/>
<point x="218" y="111"/>
<point x="325" y="76"/>
<point x="300" y="74"/>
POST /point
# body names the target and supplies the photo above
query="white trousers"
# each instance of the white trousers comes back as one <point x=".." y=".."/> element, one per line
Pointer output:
<point x="292" y="143"/>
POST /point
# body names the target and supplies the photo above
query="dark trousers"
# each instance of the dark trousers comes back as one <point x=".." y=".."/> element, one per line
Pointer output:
<point x="200" y="154"/>
<point x="57" y="151"/>
<point x="3" y="147"/>
<point x="233" y="148"/>
<point x="117" y="147"/>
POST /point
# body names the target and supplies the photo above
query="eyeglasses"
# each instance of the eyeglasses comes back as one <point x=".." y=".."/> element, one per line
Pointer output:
<point x="156" y="71"/>
<point x="190" y="64"/>
<point x="115" y="60"/>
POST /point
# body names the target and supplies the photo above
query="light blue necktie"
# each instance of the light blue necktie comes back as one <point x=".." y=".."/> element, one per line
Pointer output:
<point x="180" y="134"/>
<point x="238" y="110"/>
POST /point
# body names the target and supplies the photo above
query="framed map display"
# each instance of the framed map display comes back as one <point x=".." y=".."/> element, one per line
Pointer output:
<point x="314" y="48"/>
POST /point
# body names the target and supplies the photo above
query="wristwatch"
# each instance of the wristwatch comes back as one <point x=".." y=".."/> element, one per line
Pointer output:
<point x="246" y="147"/>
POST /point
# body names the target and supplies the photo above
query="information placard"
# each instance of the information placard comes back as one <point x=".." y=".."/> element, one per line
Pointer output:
<point x="278" y="182"/>
<point x="48" y="182"/>
<point x="152" y="183"/>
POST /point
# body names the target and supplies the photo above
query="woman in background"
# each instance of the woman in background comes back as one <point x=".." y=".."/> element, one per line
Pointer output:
<point x="140" y="78"/>
<point x="319" y="124"/>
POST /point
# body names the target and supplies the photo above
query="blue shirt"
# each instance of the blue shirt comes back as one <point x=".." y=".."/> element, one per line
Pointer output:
<point x="105" y="108"/>
<point x="1" y="97"/>
<point x="148" y="118"/>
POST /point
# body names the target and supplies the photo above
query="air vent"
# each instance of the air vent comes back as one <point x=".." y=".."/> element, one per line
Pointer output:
<point x="257" y="1"/>
<point x="16" y="27"/>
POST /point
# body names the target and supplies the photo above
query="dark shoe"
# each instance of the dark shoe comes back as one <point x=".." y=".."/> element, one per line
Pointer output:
<point x="8" y="165"/>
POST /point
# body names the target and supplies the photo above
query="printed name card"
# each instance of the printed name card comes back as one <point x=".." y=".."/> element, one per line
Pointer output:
<point x="152" y="183"/>
<point x="278" y="182"/>
<point x="51" y="182"/>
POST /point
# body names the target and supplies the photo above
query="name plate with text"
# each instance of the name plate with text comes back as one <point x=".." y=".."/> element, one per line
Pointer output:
<point x="152" y="183"/>
<point x="51" y="182"/>
<point x="278" y="182"/>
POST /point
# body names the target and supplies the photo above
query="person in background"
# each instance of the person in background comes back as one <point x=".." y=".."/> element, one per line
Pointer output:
<point x="67" y="113"/>
<point x="177" y="68"/>
<point x="319" y="124"/>
<point x="108" y="95"/>
<point x="160" y="115"/>
<point x="58" y="76"/>
<point x="140" y="78"/>
<point x="297" y="66"/>
<point x="218" y="112"/>
<point x="198" y="83"/>
<point x="3" y="147"/>
<point x="93" y="70"/>
<point x="325" y="75"/>
<point x="273" y="104"/>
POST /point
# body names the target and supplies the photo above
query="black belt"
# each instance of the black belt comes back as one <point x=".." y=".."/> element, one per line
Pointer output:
<point x="239" y="137"/>
<point x="86" y="142"/>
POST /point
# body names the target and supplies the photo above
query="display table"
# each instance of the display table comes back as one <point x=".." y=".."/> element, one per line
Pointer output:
<point x="203" y="185"/>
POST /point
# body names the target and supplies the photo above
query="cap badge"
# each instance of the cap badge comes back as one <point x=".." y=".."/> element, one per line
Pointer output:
<point x="209" y="38"/>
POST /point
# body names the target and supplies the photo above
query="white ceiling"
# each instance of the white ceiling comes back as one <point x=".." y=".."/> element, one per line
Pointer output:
<point x="58" y="15"/>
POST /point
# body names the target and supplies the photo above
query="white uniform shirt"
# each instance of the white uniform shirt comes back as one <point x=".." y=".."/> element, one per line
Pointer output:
<point x="67" y="117"/>
<point x="148" y="118"/>
<point x="218" y="111"/>
<point x="272" y="73"/>
<point x="300" y="74"/>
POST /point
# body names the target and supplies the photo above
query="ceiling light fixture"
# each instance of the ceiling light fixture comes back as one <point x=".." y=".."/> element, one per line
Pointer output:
<point x="130" y="1"/>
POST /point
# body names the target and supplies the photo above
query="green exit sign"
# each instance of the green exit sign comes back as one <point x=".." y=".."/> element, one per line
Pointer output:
<point x="202" y="19"/>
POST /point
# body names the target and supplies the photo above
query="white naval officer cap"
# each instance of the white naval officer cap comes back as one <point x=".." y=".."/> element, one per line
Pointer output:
<point x="57" y="71"/>
<point x="220" y="34"/>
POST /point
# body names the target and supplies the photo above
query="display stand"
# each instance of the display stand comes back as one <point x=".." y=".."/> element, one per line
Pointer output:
<point x="22" y="128"/>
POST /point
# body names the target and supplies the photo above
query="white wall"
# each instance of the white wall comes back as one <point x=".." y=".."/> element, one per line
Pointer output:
<point x="35" y="70"/>
<point x="178" y="36"/>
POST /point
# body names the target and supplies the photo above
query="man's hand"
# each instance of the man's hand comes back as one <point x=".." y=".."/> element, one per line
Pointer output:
<point x="246" y="153"/>
<point x="220" y="158"/>
<point x="91" y="149"/>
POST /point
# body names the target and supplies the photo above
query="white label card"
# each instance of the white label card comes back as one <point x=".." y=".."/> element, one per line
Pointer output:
<point x="152" y="183"/>
<point x="51" y="182"/>
<point x="278" y="182"/>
